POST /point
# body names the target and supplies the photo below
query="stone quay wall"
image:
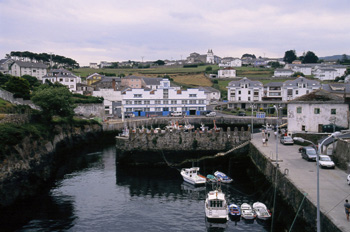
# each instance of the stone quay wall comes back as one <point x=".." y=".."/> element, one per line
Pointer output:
<point x="183" y="141"/>
<point x="342" y="154"/>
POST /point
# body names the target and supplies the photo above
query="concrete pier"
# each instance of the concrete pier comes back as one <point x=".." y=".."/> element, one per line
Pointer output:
<point x="297" y="176"/>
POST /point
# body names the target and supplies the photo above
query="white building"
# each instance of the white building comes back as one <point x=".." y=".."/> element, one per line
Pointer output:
<point x="163" y="100"/>
<point x="93" y="65"/>
<point x="226" y="73"/>
<point x="211" y="93"/>
<point x="292" y="89"/>
<point x="279" y="72"/>
<point x="63" y="77"/>
<point x="325" y="74"/>
<point x="210" y="57"/>
<point x="20" y="68"/>
<point x="310" y="112"/>
<point x="244" y="91"/>
<point x="235" y="62"/>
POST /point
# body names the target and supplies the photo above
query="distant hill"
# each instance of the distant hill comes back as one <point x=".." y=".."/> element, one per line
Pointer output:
<point x="333" y="58"/>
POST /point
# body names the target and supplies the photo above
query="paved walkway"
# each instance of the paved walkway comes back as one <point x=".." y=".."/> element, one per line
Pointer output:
<point x="333" y="186"/>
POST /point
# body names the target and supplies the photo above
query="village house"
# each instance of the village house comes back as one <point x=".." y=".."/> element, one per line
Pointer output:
<point x="314" y="110"/>
<point x="93" y="65"/>
<point x="279" y="72"/>
<point x="20" y="68"/>
<point x="230" y="62"/>
<point x="163" y="100"/>
<point x="292" y="89"/>
<point x="243" y="92"/>
<point x="63" y="77"/>
<point x="325" y="74"/>
<point x="211" y="93"/>
<point x="94" y="78"/>
<point x="227" y="73"/>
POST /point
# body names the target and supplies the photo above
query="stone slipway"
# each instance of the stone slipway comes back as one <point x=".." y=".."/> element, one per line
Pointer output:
<point x="302" y="177"/>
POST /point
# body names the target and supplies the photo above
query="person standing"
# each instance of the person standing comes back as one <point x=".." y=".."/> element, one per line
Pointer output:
<point x="347" y="209"/>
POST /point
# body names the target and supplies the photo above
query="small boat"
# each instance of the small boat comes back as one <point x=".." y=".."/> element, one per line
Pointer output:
<point x="261" y="211"/>
<point x="192" y="176"/>
<point x="212" y="178"/>
<point x="222" y="177"/>
<point x="234" y="212"/>
<point x="124" y="134"/>
<point x="216" y="209"/>
<point x="247" y="212"/>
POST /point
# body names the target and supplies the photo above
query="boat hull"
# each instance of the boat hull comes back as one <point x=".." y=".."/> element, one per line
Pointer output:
<point x="194" y="182"/>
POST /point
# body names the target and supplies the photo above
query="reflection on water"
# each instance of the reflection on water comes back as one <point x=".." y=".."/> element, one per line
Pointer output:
<point x="102" y="196"/>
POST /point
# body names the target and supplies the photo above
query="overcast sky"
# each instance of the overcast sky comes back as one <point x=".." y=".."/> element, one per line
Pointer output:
<point x="101" y="30"/>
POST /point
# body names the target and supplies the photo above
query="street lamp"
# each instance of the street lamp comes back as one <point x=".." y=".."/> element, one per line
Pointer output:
<point x="252" y="105"/>
<point x="333" y="135"/>
<point x="277" y="110"/>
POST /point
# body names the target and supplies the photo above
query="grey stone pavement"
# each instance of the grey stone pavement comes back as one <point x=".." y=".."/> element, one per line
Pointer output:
<point x="333" y="186"/>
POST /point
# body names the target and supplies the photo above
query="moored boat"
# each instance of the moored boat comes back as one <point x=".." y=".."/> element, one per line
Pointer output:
<point x="234" y="212"/>
<point x="192" y="176"/>
<point x="212" y="178"/>
<point x="223" y="177"/>
<point x="261" y="211"/>
<point x="216" y="209"/>
<point x="247" y="212"/>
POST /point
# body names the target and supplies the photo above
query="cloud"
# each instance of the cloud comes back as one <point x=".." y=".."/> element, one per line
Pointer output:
<point x="89" y="31"/>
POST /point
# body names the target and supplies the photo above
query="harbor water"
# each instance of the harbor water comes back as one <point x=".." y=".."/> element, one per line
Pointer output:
<point x="94" y="193"/>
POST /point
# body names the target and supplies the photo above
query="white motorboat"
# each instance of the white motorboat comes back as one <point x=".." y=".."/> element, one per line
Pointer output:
<point x="222" y="177"/>
<point x="216" y="208"/>
<point x="247" y="211"/>
<point x="261" y="211"/>
<point x="192" y="176"/>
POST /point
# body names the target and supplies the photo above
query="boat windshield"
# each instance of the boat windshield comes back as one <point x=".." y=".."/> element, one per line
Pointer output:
<point x="216" y="203"/>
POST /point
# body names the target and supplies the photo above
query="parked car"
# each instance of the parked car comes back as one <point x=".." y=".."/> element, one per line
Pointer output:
<point x="326" y="162"/>
<point x="348" y="179"/>
<point x="176" y="114"/>
<point x="211" y="114"/>
<point x="287" y="140"/>
<point x="241" y="113"/>
<point x="308" y="153"/>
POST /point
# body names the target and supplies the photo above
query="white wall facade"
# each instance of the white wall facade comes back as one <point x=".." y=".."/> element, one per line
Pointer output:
<point x="306" y="119"/>
<point x="19" y="71"/>
<point x="163" y="101"/>
<point x="325" y="74"/>
<point x="283" y="73"/>
<point x="226" y="73"/>
<point x="70" y="82"/>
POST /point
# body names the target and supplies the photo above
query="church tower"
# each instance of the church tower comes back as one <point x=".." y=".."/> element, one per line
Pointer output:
<point x="210" y="57"/>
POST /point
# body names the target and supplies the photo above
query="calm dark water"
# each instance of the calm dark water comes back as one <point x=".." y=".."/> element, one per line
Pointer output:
<point x="101" y="196"/>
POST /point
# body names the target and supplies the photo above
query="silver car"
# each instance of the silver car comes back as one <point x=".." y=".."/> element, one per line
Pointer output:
<point x="326" y="162"/>
<point x="287" y="140"/>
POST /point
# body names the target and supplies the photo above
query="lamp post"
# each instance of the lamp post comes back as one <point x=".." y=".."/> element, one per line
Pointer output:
<point x="334" y="135"/>
<point x="252" y="105"/>
<point x="277" y="110"/>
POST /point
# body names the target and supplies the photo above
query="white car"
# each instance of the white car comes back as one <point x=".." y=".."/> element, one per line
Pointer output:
<point x="326" y="162"/>
<point x="211" y="114"/>
<point x="176" y="114"/>
<point x="348" y="179"/>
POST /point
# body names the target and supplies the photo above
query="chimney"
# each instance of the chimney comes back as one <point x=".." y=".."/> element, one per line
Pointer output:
<point x="113" y="84"/>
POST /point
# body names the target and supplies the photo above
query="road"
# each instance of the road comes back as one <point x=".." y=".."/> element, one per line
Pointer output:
<point x="333" y="186"/>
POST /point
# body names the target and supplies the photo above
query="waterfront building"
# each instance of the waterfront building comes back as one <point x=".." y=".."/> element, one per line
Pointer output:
<point x="163" y="100"/>
<point x="243" y="92"/>
<point x="292" y="89"/>
<point x="311" y="111"/>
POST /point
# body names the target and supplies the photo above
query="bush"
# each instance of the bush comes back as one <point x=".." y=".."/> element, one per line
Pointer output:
<point x="190" y="66"/>
<point x="78" y="98"/>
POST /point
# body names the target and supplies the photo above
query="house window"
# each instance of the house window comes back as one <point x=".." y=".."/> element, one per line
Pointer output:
<point x="173" y="102"/>
<point x="296" y="92"/>
<point x="249" y="92"/>
<point x="248" y="98"/>
<point x="192" y="101"/>
<point x="239" y="98"/>
<point x="137" y="95"/>
<point x="299" y="110"/>
<point x="333" y="111"/>
<point x="157" y="102"/>
<point x="303" y="127"/>
<point x="165" y="102"/>
<point x="193" y="95"/>
<point x="317" y="111"/>
<point x="201" y="102"/>
<point x="239" y="92"/>
<point x="184" y="101"/>
<point x="147" y="102"/>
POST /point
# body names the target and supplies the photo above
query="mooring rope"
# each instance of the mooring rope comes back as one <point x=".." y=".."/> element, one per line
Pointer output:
<point x="207" y="157"/>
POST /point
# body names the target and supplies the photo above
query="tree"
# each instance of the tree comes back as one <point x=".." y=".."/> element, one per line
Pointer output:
<point x="54" y="99"/>
<point x="208" y="69"/>
<point x="310" y="57"/>
<point x="159" y="62"/>
<point x="275" y="64"/>
<point x="249" y="56"/>
<point x="298" y="74"/>
<point x="19" y="87"/>
<point x="289" y="56"/>
<point x="33" y="81"/>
